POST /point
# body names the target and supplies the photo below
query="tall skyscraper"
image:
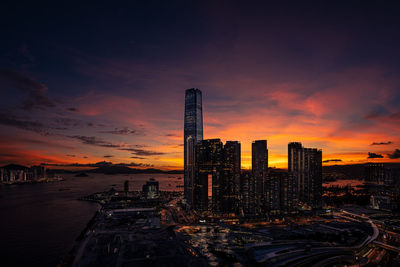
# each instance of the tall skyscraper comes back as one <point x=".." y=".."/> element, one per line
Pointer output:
<point x="259" y="170"/>
<point x="208" y="165"/>
<point x="193" y="132"/>
<point x="231" y="166"/>
<point x="305" y="164"/>
<point x="220" y="164"/>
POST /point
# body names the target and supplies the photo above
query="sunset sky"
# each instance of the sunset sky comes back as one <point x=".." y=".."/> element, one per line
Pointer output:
<point x="106" y="82"/>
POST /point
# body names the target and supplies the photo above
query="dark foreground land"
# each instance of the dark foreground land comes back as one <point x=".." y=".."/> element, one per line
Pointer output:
<point x="130" y="230"/>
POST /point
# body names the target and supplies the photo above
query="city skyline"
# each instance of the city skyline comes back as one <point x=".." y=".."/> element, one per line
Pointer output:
<point x="330" y="82"/>
<point x="281" y="162"/>
<point x="200" y="133"/>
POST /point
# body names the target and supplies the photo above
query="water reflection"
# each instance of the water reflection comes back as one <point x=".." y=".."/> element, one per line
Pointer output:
<point x="39" y="222"/>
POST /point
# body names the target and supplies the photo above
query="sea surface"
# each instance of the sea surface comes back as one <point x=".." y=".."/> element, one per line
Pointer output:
<point x="40" y="222"/>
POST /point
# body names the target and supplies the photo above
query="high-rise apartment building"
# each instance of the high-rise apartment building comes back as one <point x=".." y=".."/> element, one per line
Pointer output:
<point x="247" y="203"/>
<point x="208" y="165"/>
<point x="272" y="191"/>
<point x="305" y="164"/>
<point x="220" y="165"/>
<point x="260" y="171"/>
<point x="193" y="132"/>
<point x="288" y="193"/>
<point x="230" y="183"/>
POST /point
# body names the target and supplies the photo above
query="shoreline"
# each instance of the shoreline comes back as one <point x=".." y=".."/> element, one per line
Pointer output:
<point x="69" y="258"/>
<point x="47" y="180"/>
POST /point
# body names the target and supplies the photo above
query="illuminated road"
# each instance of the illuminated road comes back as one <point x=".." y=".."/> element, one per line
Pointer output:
<point x="387" y="246"/>
<point x="360" y="219"/>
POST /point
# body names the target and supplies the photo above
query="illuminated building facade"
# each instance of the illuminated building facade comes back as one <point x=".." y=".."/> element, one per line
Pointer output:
<point x="230" y="182"/>
<point x="259" y="169"/>
<point x="305" y="164"/>
<point x="193" y="132"/>
<point x="208" y="165"/>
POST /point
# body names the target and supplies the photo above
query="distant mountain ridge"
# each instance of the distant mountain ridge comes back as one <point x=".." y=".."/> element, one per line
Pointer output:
<point x="111" y="169"/>
<point x="15" y="167"/>
<point x="128" y="170"/>
<point x="352" y="171"/>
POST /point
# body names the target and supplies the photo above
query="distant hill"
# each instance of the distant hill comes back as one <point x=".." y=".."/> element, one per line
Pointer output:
<point x="111" y="169"/>
<point x="14" y="167"/>
<point x="353" y="171"/>
<point x="127" y="170"/>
